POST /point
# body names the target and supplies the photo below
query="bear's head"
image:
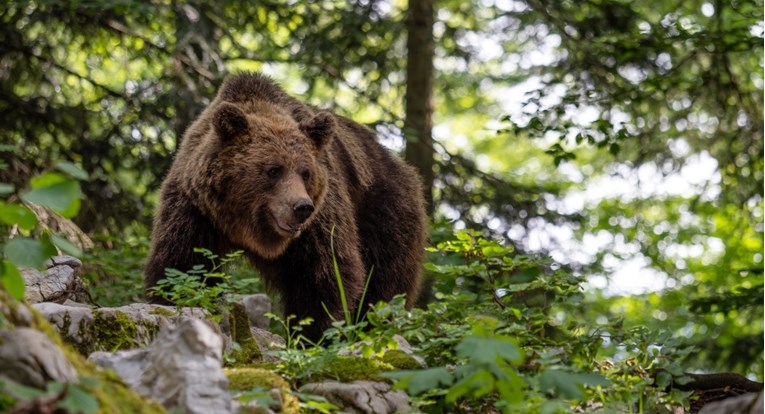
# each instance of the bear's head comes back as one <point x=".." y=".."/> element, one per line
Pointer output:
<point x="267" y="173"/>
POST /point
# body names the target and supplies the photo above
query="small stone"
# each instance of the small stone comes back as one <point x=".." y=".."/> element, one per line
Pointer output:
<point x="128" y="364"/>
<point x="60" y="282"/>
<point x="29" y="357"/>
<point x="70" y="261"/>
<point x="257" y="306"/>
<point x="361" y="396"/>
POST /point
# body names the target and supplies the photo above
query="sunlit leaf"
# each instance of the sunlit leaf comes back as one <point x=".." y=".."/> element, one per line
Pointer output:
<point x="476" y="385"/>
<point x="61" y="197"/>
<point x="47" y="179"/>
<point x="11" y="280"/>
<point x="17" y="214"/>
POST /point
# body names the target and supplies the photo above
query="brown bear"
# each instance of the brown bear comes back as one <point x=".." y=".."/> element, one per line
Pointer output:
<point x="262" y="172"/>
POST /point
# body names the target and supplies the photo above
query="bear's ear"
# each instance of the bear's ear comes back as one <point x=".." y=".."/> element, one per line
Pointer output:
<point x="229" y="121"/>
<point x="320" y="128"/>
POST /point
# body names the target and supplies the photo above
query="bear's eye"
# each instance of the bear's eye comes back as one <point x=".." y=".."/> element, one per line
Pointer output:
<point x="306" y="175"/>
<point x="274" y="172"/>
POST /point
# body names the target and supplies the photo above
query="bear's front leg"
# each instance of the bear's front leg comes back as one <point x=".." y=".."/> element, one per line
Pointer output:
<point x="179" y="227"/>
<point x="308" y="283"/>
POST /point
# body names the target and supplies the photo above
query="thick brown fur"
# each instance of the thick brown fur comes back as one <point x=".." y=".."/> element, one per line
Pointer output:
<point x="252" y="155"/>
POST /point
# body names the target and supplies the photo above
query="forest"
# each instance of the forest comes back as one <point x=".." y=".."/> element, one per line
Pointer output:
<point x="593" y="172"/>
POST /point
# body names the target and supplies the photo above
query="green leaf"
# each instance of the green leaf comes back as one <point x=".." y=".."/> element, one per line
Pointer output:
<point x="72" y="170"/>
<point x="65" y="245"/>
<point x="569" y="385"/>
<point x="47" y="180"/>
<point x="663" y="379"/>
<point x="26" y="252"/>
<point x="6" y="188"/>
<point x="78" y="401"/>
<point x="487" y="350"/>
<point x="17" y="214"/>
<point x="12" y="281"/>
<point x="62" y="197"/>
<point x="417" y="382"/>
<point x="21" y="392"/>
<point x="511" y="389"/>
<point x="477" y="384"/>
<point x="560" y="383"/>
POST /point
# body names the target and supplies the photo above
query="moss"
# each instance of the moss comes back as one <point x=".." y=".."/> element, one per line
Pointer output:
<point x="112" y="394"/>
<point x="245" y="379"/>
<point x="106" y="333"/>
<point x="150" y="329"/>
<point x="6" y="402"/>
<point x="347" y="369"/>
<point x="240" y="332"/>
<point x="401" y="360"/>
<point x="161" y="312"/>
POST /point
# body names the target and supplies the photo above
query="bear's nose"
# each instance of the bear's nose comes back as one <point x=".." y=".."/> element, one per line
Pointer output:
<point x="302" y="209"/>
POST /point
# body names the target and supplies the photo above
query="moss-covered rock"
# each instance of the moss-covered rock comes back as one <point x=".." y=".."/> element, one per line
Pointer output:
<point x="112" y="394"/>
<point x="111" y="332"/>
<point x="111" y="329"/>
<point x="243" y="379"/>
<point x="350" y="368"/>
<point x="401" y="360"/>
<point x="249" y="350"/>
<point x="247" y="378"/>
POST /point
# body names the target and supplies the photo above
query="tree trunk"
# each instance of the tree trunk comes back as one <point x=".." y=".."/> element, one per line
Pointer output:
<point x="419" y="93"/>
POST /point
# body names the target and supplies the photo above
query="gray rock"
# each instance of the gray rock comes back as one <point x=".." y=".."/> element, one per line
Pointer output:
<point x="129" y="364"/>
<point x="61" y="281"/>
<point x="182" y="369"/>
<point x="107" y="329"/>
<point x="361" y="396"/>
<point x="29" y="357"/>
<point x="403" y="345"/>
<point x="267" y="342"/>
<point x="750" y="403"/>
<point x="257" y="306"/>
<point x="70" y="302"/>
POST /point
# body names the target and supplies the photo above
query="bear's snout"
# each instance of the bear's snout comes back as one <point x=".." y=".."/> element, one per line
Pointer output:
<point x="302" y="210"/>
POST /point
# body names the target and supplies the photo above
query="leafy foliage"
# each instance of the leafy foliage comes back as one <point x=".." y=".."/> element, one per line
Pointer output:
<point x="57" y="395"/>
<point x="30" y="246"/>
<point x="201" y="287"/>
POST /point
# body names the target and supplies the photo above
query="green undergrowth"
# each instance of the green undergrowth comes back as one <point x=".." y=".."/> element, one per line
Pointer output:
<point x="505" y="332"/>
